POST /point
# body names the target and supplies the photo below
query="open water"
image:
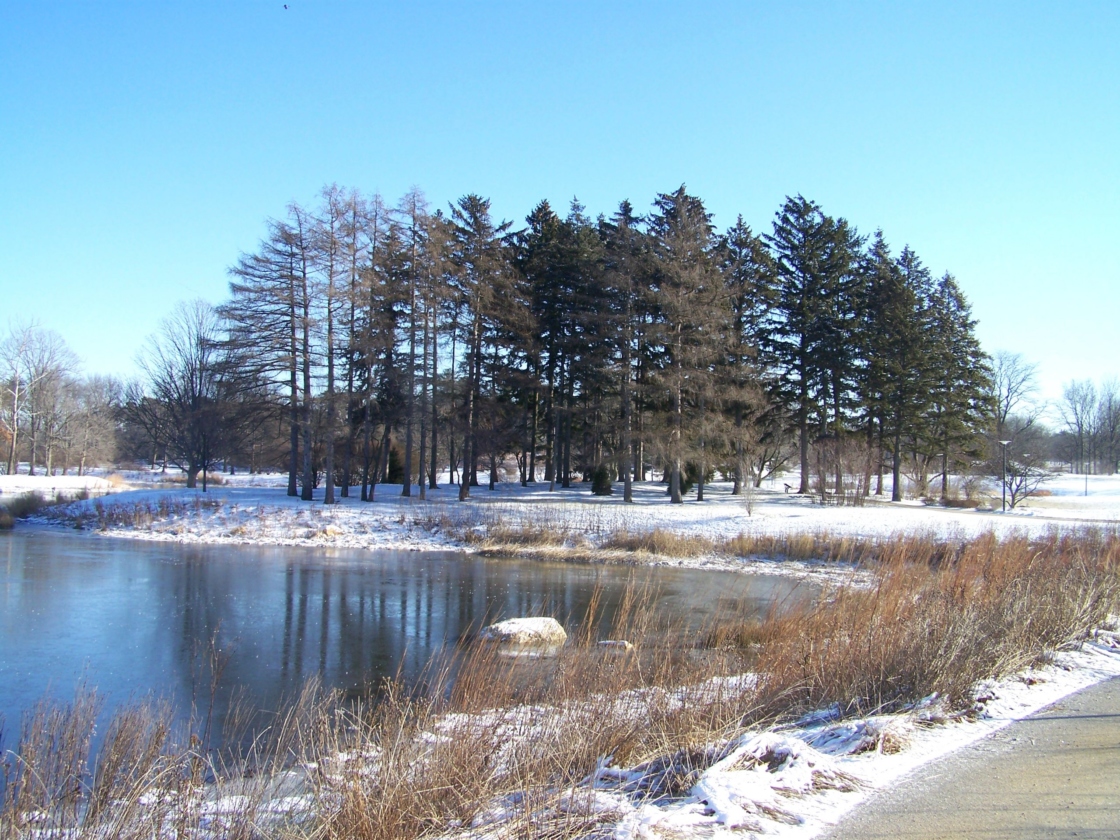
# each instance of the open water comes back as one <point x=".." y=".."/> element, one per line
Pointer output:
<point x="137" y="619"/>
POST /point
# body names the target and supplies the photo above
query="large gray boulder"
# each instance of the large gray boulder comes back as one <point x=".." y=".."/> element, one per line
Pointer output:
<point x="526" y="633"/>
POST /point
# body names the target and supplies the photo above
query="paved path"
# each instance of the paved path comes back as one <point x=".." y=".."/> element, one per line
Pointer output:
<point x="1055" y="775"/>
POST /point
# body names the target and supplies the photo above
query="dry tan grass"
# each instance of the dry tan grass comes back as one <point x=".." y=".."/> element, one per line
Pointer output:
<point x="24" y="504"/>
<point x="662" y="542"/>
<point x="940" y="619"/>
<point x="145" y="514"/>
<point x="526" y="538"/>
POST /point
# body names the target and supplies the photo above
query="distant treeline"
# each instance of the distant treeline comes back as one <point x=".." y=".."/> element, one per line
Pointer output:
<point x="364" y="343"/>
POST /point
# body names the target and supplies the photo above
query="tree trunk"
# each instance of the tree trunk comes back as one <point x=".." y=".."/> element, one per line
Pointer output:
<point x="550" y="438"/>
<point x="566" y="460"/>
<point x="625" y="461"/>
<point x="896" y="464"/>
<point x="367" y="455"/>
<point x="423" y="412"/>
<point x="837" y="429"/>
<point x="328" y="459"/>
<point x="432" y="482"/>
<point x="803" y="442"/>
<point x="532" y="477"/>
<point x="870" y="451"/>
<point x="879" y="459"/>
<point x="305" y="350"/>
<point x="468" y="437"/>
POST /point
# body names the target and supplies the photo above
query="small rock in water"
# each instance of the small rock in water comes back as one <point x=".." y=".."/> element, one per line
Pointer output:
<point x="616" y="646"/>
<point x="526" y="632"/>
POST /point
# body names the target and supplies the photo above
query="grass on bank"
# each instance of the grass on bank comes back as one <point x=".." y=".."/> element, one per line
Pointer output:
<point x="581" y="533"/>
<point x="23" y="505"/>
<point x="504" y="746"/>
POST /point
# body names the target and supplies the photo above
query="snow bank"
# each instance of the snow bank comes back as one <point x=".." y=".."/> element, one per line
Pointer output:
<point x="797" y="781"/>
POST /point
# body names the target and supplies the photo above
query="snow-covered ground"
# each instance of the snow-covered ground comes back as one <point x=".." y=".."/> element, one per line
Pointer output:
<point x="254" y="509"/>
<point x="53" y="486"/>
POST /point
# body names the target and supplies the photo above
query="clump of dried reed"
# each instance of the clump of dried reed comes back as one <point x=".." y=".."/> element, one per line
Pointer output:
<point x="141" y="514"/>
<point x="939" y="619"/>
<point x="521" y="531"/>
<point x="661" y="541"/>
<point x="510" y="739"/>
<point x="23" y="505"/>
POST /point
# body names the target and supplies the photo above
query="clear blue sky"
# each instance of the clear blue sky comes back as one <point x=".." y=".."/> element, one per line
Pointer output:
<point x="143" y="144"/>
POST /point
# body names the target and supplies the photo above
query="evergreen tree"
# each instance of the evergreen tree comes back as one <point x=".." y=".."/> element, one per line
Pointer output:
<point x="626" y="275"/>
<point x="540" y="258"/>
<point x="693" y="314"/>
<point x="748" y="274"/>
<point x="483" y="275"/>
<point x="904" y="328"/>
<point x="413" y="213"/>
<point x="808" y="336"/>
<point x="958" y="407"/>
<point x="264" y="322"/>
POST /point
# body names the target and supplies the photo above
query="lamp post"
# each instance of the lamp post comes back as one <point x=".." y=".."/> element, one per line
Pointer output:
<point x="1003" y="444"/>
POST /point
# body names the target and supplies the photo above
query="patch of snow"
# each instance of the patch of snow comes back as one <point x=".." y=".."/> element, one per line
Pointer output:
<point x="798" y="781"/>
<point x="252" y="509"/>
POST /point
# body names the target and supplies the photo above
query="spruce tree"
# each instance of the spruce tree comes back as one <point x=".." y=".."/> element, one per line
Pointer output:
<point x="263" y="321"/>
<point x="484" y="278"/>
<point x="958" y="410"/>
<point x="626" y="273"/>
<point x="904" y="322"/>
<point x="693" y="314"/>
<point x="808" y="335"/>
<point x="747" y="270"/>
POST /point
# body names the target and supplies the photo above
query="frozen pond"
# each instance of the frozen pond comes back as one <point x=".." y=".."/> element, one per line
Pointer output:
<point x="137" y="618"/>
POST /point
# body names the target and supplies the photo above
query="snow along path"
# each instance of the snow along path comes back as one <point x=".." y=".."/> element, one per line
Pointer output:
<point x="799" y="781"/>
<point x="1055" y="774"/>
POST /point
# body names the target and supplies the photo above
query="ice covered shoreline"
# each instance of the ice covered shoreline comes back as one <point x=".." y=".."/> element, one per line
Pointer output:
<point x="248" y="509"/>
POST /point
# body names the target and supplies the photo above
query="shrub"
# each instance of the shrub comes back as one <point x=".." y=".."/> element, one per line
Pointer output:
<point x="961" y="503"/>
<point x="25" y="504"/>
<point x="601" y="481"/>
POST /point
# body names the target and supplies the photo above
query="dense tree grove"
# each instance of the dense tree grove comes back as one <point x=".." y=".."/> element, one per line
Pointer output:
<point x="399" y="344"/>
<point x="365" y="343"/>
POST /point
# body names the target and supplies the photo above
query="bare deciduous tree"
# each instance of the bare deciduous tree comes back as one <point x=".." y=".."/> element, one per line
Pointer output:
<point x="182" y="364"/>
<point x="36" y="362"/>
<point x="1078" y="410"/>
<point x="1027" y="458"/>
<point x="1013" y="388"/>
